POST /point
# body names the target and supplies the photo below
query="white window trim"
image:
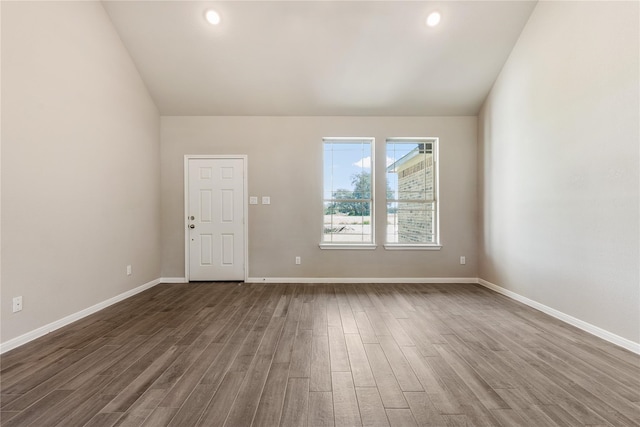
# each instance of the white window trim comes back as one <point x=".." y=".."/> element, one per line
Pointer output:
<point x="349" y="246"/>
<point x="354" y="245"/>
<point x="412" y="247"/>
<point x="436" y="160"/>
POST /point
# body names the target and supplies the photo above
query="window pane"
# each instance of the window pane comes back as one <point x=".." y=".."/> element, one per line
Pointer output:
<point x="410" y="174"/>
<point x="410" y="222"/>
<point x="343" y="228"/>
<point x="411" y="192"/>
<point x="347" y="169"/>
<point x="347" y="191"/>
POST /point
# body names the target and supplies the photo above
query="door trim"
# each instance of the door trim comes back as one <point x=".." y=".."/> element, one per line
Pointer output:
<point x="245" y="209"/>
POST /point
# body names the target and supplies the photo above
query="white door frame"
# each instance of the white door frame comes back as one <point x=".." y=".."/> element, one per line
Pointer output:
<point x="245" y="209"/>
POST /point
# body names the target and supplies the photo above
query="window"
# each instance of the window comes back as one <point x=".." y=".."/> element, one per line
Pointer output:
<point x="412" y="193"/>
<point x="348" y="193"/>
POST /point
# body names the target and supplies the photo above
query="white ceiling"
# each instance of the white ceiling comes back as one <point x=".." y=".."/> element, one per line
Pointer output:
<point x="300" y="58"/>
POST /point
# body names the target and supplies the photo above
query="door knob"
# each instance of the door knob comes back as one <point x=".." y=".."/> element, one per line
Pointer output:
<point x="192" y="226"/>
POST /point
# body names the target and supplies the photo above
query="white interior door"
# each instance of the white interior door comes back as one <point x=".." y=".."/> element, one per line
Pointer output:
<point x="215" y="218"/>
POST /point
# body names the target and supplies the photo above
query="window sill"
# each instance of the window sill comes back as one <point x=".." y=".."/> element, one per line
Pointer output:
<point x="405" y="247"/>
<point x="349" y="246"/>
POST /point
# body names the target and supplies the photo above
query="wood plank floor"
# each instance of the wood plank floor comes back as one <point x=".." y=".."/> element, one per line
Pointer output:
<point x="215" y="354"/>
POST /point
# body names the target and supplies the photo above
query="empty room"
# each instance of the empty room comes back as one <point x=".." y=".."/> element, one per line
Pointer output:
<point x="320" y="213"/>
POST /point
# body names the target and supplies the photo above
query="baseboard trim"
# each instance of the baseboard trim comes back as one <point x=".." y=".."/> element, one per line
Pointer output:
<point x="173" y="280"/>
<point x="362" y="280"/>
<point x="580" y="324"/>
<point x="44" y="330"/>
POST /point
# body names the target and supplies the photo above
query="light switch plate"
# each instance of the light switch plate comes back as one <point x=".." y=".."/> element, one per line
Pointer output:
<point x="266" y="200"/>
<point x="253" y="200"/>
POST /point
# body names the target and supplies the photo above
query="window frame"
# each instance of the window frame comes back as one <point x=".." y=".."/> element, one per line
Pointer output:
<point x="352" y="245"/>
<point x="437" y="244"/>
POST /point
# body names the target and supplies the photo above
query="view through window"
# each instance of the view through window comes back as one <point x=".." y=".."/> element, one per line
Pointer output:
<point x="412" y="191"/>
<point x="348" y="198"/>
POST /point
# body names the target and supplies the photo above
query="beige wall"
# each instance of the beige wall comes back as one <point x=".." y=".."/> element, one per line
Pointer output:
<point x="80" y="164"/>
<point x="285" y="162"/>
<point x="558" y="170"/>
<point x="555" y="153"/>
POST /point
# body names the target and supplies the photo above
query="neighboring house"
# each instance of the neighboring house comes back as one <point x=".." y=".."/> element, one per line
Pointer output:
<point x="415" y="221"/>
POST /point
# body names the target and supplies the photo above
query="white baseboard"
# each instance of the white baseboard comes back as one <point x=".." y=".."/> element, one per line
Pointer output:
<point x="580" y="324"/>
<point x="173" y="280"/>
<point x="592" y="329"/>
<point x="362" y="280"/>
<point x="37" y="333"/>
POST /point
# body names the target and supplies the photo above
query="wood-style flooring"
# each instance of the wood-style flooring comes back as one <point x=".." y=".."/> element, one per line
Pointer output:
<point x="215" y="354"/>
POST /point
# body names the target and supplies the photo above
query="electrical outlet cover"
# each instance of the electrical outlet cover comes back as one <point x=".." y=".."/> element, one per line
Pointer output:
<point x="17" y="304"/>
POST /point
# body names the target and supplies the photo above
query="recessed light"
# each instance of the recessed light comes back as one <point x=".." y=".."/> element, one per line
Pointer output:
<point x="433" y="19"/>
<point x="212" y="17"/>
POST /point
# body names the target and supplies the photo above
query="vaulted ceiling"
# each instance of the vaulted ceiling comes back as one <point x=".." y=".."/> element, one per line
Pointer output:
<point x="319" y="57"/>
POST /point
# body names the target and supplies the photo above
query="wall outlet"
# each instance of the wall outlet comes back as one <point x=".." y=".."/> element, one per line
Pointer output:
<point x="17" y="304"/>
<point x="128" y="270"/>
<point x="298" y="260"/>
<point x="463" y="260"/>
